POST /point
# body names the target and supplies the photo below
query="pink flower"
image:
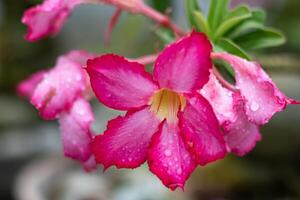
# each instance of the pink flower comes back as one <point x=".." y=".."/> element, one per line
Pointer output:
<point x="62" y="85"/>
<point x="49" y="17"/>
<point x="27" y="87"/>
<point x="241" y="112"/>
<point x="168" y="123"/>
<point x="60" y="93"/>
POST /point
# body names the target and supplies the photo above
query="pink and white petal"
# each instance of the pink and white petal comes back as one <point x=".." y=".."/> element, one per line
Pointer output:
<point x="27" y="86"/>
<point x="60" y="87"/>
<point x="184" y="66"/>
<point x="125" y="142"/>
<point x="75" y="131"/>
<point x="48" y="17"/>
<point x="241" y="135"/>
<point x="90" y="164"/>
<point x="201" y="130"/>
<point x="263" y="98"/>
<point x="168" y="157"/>
<point x="220" y="99"/>
<point x="120" y="84"/>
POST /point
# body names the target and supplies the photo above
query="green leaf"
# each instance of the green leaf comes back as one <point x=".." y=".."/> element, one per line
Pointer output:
<point x="231" y="47"/>
<point x="217" y="10"/>
<point x="192" y="6"/>
<point x="229" y="24"/>
<point x="255" y="22"/>
<point x="165" y="35"/>
<point x="260" y="38"/>
<point x="201" y="23"/>
<point x="238" y="11"/>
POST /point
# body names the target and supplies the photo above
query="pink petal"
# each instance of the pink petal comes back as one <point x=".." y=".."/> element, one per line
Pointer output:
<point x="48" y="17"/>
<point x="241" y="135"/>
<point x="27" y="87"/>
<point x="61" y="86"/>
<point x="201" y="130"/>
<point x="125" y="142"/>
<point x="120" y="84"/>
<point x="168" y="157"/>
<point x="184" y="66"/>
<point x="75" y="131"/>
<point x="219" y="98"/>
<point x="263" y="98"/>
<point x="90" y="164"/>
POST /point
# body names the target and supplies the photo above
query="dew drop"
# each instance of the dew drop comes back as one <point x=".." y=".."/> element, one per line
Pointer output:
<point x="179" y="171"/>
<point x="254" y="106"/>
<point x="129" y="159"/>
<point x="167" y="152"/>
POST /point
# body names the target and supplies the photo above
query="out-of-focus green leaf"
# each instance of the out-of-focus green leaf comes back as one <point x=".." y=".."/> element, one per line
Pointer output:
<point x="192" y="6"/>
<point x="238" y="11"/>
<point x="201" y="23"/>
<point x="229" y="24"/>
<point x="165" y="35"/>
<point x="230" y="47"/>
<point x="161" y="5"/>
<point x="217" y="10"/>
<point x="260" y="38"/>
<point x="255" y="22"/>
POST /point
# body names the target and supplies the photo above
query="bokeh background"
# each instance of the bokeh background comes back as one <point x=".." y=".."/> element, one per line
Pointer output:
<point x="32" y="166"/>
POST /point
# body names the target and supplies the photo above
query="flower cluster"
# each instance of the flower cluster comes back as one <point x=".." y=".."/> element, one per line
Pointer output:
<point x="62" y="93"/>
<point x="183" y="115"/>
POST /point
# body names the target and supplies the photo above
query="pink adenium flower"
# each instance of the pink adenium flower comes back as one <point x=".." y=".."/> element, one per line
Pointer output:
<point x="168" y="123"/>
<point x="241" y="112"/>
<point x="48" y="18"/>
<point x="60" y="93"/>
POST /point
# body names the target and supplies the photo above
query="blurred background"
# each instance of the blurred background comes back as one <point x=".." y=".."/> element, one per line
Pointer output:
<point x="32" y="166"/>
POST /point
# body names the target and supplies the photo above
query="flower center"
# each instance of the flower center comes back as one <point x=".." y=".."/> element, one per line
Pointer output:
<point x="166" y="104"/>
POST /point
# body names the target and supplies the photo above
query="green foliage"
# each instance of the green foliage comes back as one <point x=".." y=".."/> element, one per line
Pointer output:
<point x="236" y="31"/>
<point x="165" y="35"/>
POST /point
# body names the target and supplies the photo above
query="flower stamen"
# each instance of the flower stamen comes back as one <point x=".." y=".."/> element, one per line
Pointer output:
<point x="166" y="104"/>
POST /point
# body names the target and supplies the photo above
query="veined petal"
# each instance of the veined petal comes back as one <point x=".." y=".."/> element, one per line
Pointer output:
<point x="120" y="84"/>
<point x="48" y="17"/>
<point x="263" y="98"/>
<point x="241" y="135"/>
<point x="219" y="98"/>
<point x="201" y="130"/>
<point x="61" y="86"/>
<point x="75" y="131"/>
<point x="184" y="66"/>
<point x="27" y="86"/>
<point x="125" y="142"/>
<point x="168" y="157"/>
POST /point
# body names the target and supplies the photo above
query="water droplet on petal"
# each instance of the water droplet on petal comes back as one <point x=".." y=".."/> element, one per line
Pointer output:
<point x="168" y="152"/>
<point x="179" y="171"/>
<point x="254" y="106"/>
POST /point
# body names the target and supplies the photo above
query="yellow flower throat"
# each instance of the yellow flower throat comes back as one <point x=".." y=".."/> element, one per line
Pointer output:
<point x="166" y="104"/>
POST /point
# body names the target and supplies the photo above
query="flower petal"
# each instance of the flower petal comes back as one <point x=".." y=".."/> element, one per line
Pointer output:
<point x="120" y="84"/>
<point x="48" y="17"/>
<point x="27" y="86"/>
<point x="75" y="131"/>
<point x="219" y="98"/>
<point x="125" y="142"/>
<point x="184" y="66"/>
<point x="201" y="130"/>
<point x="61" y="86"/>
<point x="263" y="98"/>
<point x="168" y="157"/>
<point x="241" y="135"/>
